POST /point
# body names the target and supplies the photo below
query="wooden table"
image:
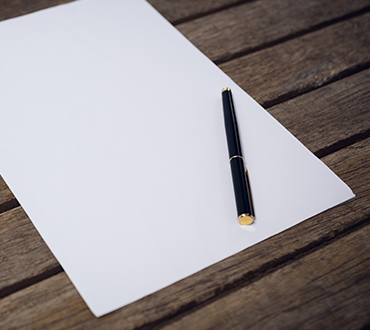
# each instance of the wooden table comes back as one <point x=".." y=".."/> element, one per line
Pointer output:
<point x="308" y="63"/>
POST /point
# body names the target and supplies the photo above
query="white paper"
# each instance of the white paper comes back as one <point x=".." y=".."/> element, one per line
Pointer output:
<point x="112" y="139"/>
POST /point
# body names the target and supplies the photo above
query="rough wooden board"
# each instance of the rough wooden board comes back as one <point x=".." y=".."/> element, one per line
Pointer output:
<point x="332" y="113"/>
<point x="217" y="35"/>
<point x="23" y="253"/>
<point x="327" y="289"/>
<point x="5" y="194"/>
<point x="172" y="10"/>
<point x="176" y="11"/>
<point x="11" y="8"/>
<point x="303" y="63"/>
<point x="235" y="31"/>
<point x="70" y="298"/>
<point x="55" y="304"/>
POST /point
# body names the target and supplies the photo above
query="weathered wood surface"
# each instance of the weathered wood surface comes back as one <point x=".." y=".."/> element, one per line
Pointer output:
<point x="296" y="276"/>
<point x="322" y="125"/>
<point x="260" y="23"/>
<point x="174" y="11"/>
<point x="11" y="8"/>
<point x="180" y="11"/>
<point x="329" y="115"/>
<point x="326" y="289"/>
<point x="55" y="304"/>
<point x="302" y="64"/>
<point x="24" y="256"/>
<point x="7" y="199"/>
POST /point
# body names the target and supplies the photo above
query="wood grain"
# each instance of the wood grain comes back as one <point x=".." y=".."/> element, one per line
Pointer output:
<point x="314" y="275"/>
<point x="260" y="23"/>
<point x="55" y="304"/>
<point x="296" y="66"/>
<point x="327" y="289"/>
<point x="14" y="8"/>
<point x="176" y="11"/>
<point x="5" y="195"/>
<point x="238" y="30"/>
<point x="172" y="10"/>
<point x="330" y="114"/>
<point x="23" y="253"/>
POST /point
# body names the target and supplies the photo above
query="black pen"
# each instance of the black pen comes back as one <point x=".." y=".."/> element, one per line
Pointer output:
<point x="239" y="172"/>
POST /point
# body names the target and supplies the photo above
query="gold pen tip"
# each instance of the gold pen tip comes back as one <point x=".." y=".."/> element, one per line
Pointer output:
<point x="226" y="89"/>
<point x="245" y="219"/>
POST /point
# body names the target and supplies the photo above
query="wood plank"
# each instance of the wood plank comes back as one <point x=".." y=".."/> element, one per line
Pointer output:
<point x="23" y="253"/>
<point x="10" y="8"/>
<point x="5" y="195"/>
<point x="176" y="11"/>
<point x="55" y="304"/>
<point x="327" y="289"/>
<point x="81" y="308"/>
<point x="323" y="112"/>
<point x="296" y="66"/>
<point x="333" y="113"/>
<point x="261" y="23"/>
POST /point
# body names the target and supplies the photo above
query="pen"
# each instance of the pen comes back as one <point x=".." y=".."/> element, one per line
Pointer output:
<point x="239" y="172"/>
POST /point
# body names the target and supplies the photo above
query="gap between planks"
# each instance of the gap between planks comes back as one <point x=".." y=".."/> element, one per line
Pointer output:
<point x="342" y="144"/>
<point x="219" y="38"/>
<point x="311" y="87"/>
<point x="30" y="281"/>
<point x="292" y="36"/>
<point x="8" y="205"/>
<point x="11" y="11"/>
<point x="208" y="12"/>
<point x="304" y="64"/>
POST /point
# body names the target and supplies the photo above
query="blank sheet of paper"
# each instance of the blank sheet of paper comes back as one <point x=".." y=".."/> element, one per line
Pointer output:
<point x="113" y="141"/>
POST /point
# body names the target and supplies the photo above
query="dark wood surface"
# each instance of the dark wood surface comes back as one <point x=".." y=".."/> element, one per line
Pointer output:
<point x="308" y="63"/>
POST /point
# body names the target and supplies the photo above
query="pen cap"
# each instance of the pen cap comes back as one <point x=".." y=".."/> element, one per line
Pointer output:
<point x="231" y="127"/>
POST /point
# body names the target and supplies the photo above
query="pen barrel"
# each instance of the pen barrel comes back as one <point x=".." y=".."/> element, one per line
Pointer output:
<point x="242" y="193"/>
<point x="231" y="126"/>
